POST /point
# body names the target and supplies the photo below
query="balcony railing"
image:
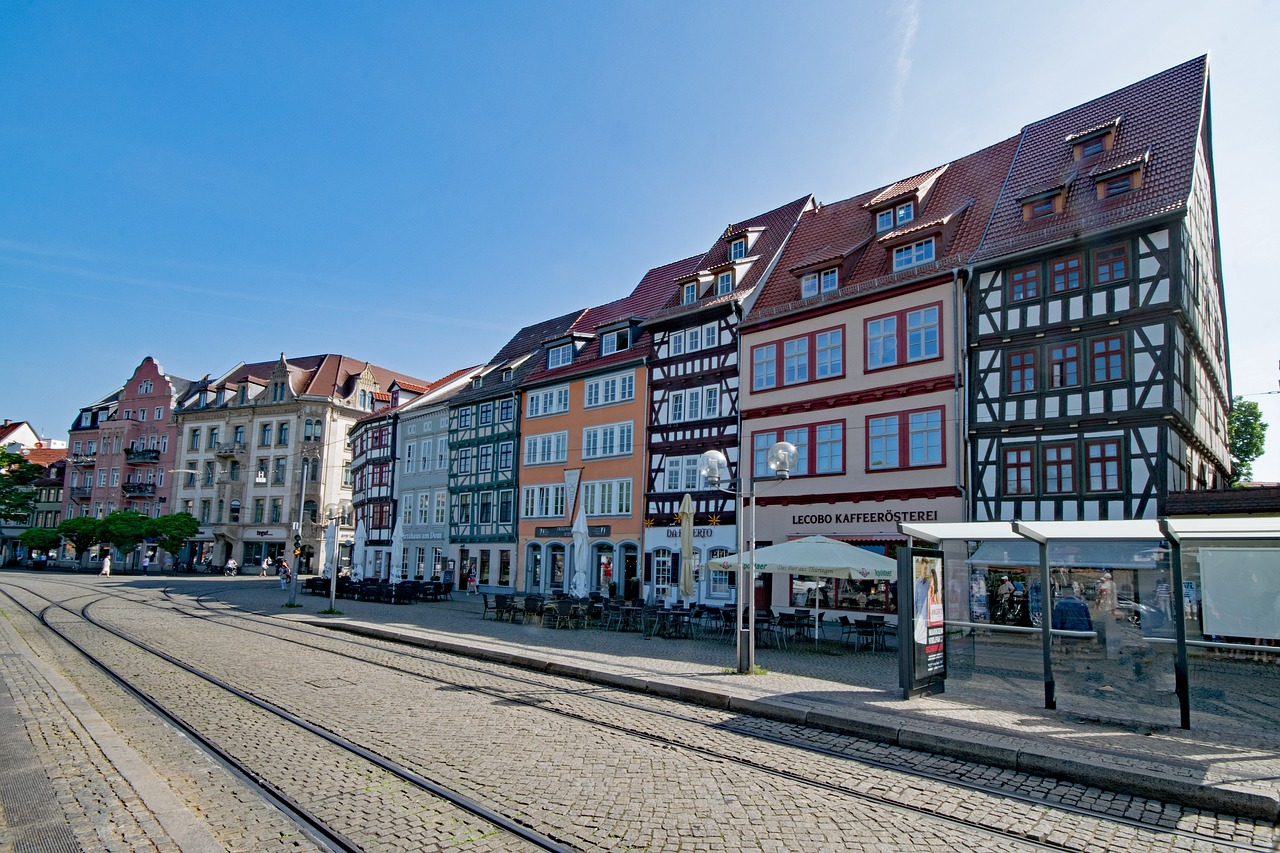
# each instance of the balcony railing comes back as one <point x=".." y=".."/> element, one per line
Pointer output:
<point x="139" y="490"/>
<point x="81" y="492"/>
<point x="84" y="459"/>
<point x="231" y="448"/>
<point x="141" y="456"/>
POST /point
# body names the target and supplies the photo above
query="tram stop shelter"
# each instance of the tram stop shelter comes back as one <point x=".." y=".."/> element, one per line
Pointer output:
<point x="1146" y="619"/>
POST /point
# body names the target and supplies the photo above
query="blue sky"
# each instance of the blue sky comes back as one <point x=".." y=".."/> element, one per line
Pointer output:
<point x="409" y="183"/>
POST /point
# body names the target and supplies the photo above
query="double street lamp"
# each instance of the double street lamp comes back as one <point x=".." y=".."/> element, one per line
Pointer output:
<point x="713" y="465"/>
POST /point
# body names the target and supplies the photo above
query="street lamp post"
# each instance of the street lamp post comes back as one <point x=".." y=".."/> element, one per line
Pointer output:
<point x="307" y="461"/>
<point x="333" y="512"/>
<point x="714" y="467"/>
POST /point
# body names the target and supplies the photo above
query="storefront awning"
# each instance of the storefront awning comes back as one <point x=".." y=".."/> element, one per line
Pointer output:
<point x="1247" y="527"/>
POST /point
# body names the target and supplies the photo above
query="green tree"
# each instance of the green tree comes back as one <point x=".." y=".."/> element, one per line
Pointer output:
<point x="1247" y="433"/>
<point x="173" y="531"/>
<point x="83" y="533"/>
<point x="125" y="529"/>
<point x="17" y="497"/>
<point x="40" y="539"/>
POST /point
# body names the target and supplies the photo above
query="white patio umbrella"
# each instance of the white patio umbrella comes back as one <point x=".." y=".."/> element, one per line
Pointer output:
<point x="819" y="556"/>
<point x="580" y="583"/>
<point x="397" y="547"/>
<point x="357" y="553"/>
<point x="330" y="557"/>
<point x="685" y="514"/>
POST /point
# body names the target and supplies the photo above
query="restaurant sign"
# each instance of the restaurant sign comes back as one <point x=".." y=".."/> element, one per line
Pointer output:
<point x="567" y="530"/>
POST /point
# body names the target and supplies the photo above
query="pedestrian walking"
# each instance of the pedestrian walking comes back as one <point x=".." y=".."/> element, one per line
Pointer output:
<point x="106" y="566"/>
<point x="286" y="574"/>
<point x="473" y="582"/>
<point x="146" y="561"/>
<point x="266" y="566"/>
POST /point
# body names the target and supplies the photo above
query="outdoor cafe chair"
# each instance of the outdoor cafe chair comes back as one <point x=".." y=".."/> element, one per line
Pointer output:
<point x="488" y="606"/>
<point x="531" y="608"/>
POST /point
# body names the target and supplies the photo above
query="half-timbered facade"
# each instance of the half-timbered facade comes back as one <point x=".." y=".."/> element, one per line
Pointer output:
<point x="484" y="434"/>
<point x="850" y="353"/>
<point x="693" y="397"/>
<point x="583" y="444"/>
<point x="373" y="468"/>
<point x="1098" y="350"/>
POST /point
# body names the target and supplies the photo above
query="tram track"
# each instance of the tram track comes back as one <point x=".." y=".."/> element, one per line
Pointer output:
<point x="1033" y="816"/>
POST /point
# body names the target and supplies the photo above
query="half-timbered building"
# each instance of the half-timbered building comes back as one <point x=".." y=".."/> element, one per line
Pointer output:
<point x="1098" y="352"/>
<point x="693" y="398"/>
<point x="484" y="432"/>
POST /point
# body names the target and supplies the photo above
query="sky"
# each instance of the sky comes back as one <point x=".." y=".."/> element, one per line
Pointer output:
<point x="411" y="183"/>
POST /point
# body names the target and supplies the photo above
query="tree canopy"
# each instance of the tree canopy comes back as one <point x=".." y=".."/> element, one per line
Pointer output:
<point x="40" y="538"/>
<point x="17" y="498"/>
<point x="172" y="531"/>
<point x="1248" y="436"/>
<point x="82" y="532"/>
<point x="125" y="529"/>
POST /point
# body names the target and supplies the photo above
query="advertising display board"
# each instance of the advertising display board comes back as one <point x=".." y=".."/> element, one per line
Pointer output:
<point x="924" y="667"/>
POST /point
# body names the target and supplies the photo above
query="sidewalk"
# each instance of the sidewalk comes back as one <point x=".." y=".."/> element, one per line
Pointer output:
<point x="841" y="691"/>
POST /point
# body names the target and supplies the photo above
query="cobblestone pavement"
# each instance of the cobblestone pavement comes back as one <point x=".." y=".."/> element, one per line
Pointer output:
<point x="642" y="795"/>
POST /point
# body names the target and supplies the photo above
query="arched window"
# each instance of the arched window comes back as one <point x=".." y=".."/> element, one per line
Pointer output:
<point x="309" y="509"/>
<point x="235" y="512"/>
<point x="306" y="430"/>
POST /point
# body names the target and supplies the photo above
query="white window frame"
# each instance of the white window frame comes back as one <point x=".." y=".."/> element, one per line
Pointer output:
<point x="913" y="254"/>
<point x="560" y="356"/>
<point x="884" y="221"/>
<point x="905" y="212"/>
<point x="738" y="249"/>
<point x="548" y="448"/>
<point x="724" y="283"/>
<point x="608" y="440"/>
<point x="690" y="291"/>
<point x="550" y="401"/>
<point x="610" y="390"/>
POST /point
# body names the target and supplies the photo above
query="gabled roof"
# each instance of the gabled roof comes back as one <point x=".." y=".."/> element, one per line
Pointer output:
<point x="44" y="456"/>
<point x="515" y="356"/>
<point x="958" y="205"/>
<point x="327" y="375"/>
<point x="654" y="290"/>
<point x="775" y="227"/>
<point x="904" y="187"/>
<point x="425" y="393"/>
<point x="1162" y="114"/>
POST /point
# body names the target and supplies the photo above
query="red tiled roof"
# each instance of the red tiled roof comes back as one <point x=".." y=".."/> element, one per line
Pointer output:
<point x="652" y="292"/>
<point x="45" y="456"/>
<point x="1090" y="131"/>
<point x="903" y="187"/>
<point x="327" y="375"/>
<point x="517" y="354"/>
<point x="1163" y="113"/>
<point x="12" y="427"/>
<point x="960" y="200"/>
<point x="776" y="226"/>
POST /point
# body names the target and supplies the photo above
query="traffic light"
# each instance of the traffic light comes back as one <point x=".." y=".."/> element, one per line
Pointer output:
<point x="297" y="552"/>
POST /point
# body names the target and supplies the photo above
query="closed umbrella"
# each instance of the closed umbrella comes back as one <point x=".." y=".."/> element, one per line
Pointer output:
<point x="357" y="553"/>
<point x="330" y="557"/>
<point x="685" y="514"/>
<point x="397" y="552"/>
<point x="580" y="584"/>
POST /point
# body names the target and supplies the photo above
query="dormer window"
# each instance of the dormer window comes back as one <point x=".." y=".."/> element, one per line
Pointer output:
<point x="1092" y="141"/>
<point x="724" y="283"/>
<point x="560" y="356"/>
<point x="914" y="254"/>
<point x="884" y="221"/>
<point x="691" y="293"/>
<point x="507" y="374"/>
<point x="478" y="382"/>
<point x="1119" y="185"/>
<point x="906" y="212"/>
<point x="738" y="249"/>
<point x="615" y="342"/>
<point x="1093" y="147"/>
<point x="827" y="280"/>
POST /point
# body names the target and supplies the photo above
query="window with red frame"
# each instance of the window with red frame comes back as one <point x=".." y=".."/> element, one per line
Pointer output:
<point x="1064" y="274"/>
<point x="1018" y="471"/>
<point x="914" y="333"/>
<point x="1064" y="365"/>
<point x="805" y="358"/>
<point x="1111" y="264"/>
<point x="905" y="440"/>
<point x="1106" y="358"/>
<point x="1102" y="459"/>
<point x="1024" y="283"/>
<point x="1059" y="469"/>
<point x="1021" y="372"/>
<point x="819" y="449"/>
